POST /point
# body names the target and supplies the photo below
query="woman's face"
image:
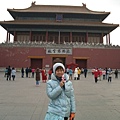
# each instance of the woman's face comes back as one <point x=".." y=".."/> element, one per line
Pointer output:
<point x="59" y="72"/>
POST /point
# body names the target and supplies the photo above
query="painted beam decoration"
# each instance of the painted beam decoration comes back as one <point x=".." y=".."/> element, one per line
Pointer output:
<point x="59" y="51"/>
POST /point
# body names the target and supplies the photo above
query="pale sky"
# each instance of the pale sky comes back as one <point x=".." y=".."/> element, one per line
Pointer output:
<point x="112" y="6"/>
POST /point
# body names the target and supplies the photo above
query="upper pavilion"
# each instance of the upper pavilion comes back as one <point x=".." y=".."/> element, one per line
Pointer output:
<point x="58" y="23"/>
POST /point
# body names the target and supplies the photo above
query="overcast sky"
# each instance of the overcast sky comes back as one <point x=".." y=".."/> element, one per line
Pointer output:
<point x="112" y="6"/>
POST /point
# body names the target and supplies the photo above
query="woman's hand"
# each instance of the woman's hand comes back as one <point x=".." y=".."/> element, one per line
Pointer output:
<point x="62" y="83"/>
<point x="72" y="116"/>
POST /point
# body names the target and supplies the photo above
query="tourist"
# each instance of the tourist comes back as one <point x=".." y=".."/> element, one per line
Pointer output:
<point x="96" y="74"/>
<point x="116" y="73"/>
<point x="44" y="75"/>
<point x="26" y="71"/>
<point x="67" y="70"/>
<point x="9" y="74"/>
<point x="79" y="72"/>
<point x="109" y="75"/>
<point x="29" y="72"/>
<point x="75" y="73"/>
<point x="49" y="74"/>
<point x="70" y="72"/>
<point x="85" y="72"/>
<point x="106" y="73"/>
<point x="103" y="73"/>
<point x="37" y="78"/>
<point x="22" y="72"/>
<point x="13" y="73"/>
<point x="33" y="71"/>
<point x="61" y="93"/>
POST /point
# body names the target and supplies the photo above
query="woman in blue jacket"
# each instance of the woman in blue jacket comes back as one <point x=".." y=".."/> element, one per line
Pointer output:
<point x="61" y="93"/>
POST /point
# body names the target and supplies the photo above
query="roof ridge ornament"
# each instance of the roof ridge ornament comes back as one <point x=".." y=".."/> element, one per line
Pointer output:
<point x="84" y="5"/>
<point x="33" y="3"/>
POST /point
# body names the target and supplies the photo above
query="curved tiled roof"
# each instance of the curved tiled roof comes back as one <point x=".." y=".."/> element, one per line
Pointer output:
<point x="65" y="23"/>
<point x="58" y="9"/>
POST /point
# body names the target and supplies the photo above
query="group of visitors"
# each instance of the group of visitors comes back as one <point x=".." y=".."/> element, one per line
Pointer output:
<point x="59" y="87"/>
<point x="28" y="71"/>
<point x="106" y="73"/>
<point x="75" y="73"/>
<point x="10" y="73"/>
<point x="38" y="73"/>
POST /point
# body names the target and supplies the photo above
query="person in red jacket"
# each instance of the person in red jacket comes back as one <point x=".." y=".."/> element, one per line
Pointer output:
<point x="44" y="75"/>
<point x="96" y="74"/>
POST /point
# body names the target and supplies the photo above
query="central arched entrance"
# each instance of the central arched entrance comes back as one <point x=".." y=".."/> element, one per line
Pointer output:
<point x="63" y="59"/>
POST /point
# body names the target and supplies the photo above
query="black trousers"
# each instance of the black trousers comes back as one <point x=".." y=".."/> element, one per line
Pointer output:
<point x="65" y="118"/>
<point x="96" y="79"/>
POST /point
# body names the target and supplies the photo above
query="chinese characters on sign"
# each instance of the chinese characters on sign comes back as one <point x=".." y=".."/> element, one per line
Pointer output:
<point x="58" y="51"/>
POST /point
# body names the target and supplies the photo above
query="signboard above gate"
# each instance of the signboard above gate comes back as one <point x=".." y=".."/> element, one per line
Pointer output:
<point x="59" y="51"/>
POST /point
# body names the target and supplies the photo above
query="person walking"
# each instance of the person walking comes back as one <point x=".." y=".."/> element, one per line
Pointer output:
<point x="106" y="73"/>
<point x="13" y="73"/>
<point x="109" y="75"/>
<point x="103" y="73"/>
<point x="22" y="72"/>
<point x="29" y="72"/>
<point x="116" y="73"/>
<point x="37" y="78"/>
<point x="75" y="74"/>
<point x="61" y="93"/>
<point x="26" y="71"/>
<point x="49" y="74"/>
<point x="33" y="71"/>
<point x="85" y="72"/>
<point x="44" y="75"/>
<point x="96" y="75"/>
<point x="9" y="74"/>
<point x="79" y="72"/>
<point x="70" y="72"/>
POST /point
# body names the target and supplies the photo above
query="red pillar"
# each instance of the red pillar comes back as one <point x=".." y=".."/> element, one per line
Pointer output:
<point x="101" y="38"/>
<point x="30" y="35"/>
<point x="46" y="36"/>
<point x="70" y="36"/>
<point x="59" y="38"/>
<point x="109" y="38"/>
<point x="15" y="36"/>
<point x="86" y="37"/>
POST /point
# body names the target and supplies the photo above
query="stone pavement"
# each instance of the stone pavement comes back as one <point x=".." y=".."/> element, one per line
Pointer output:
<point x="22" y="100"/>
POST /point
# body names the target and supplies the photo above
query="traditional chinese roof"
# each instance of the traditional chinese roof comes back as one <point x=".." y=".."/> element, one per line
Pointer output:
<point x="56" y="26"/>
<point x="87" y="20"/>
<point x="57" y="9"/>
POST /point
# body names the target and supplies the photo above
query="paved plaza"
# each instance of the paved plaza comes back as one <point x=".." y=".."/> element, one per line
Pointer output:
<point x="22" y="100"/>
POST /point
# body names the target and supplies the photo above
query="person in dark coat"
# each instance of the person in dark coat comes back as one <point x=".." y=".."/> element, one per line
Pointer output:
<point x="9" y="74"/>
<point x="26" y="71"/>
<point x="116" y="73"/>
<point x="85" y="72"/>
<point x="37" y="78"/>
<point x="49" y="73"/>
<point x="22" y="72"/>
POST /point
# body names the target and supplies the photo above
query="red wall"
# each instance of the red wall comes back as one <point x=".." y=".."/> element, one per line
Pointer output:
<point x="18" y="56"/>
<point x="99" y="57"/>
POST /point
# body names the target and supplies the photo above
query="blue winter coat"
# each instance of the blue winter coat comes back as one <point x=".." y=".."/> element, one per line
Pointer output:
<point x="62" y="100"/>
